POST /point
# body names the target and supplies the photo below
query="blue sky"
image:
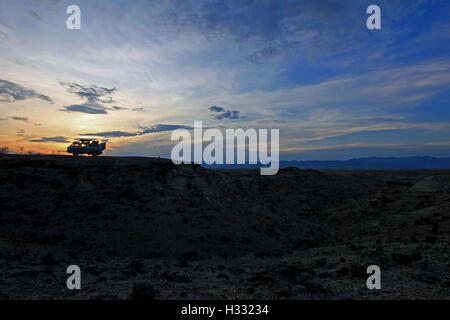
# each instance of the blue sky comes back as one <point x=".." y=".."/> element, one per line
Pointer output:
<point x="138" y="69"/>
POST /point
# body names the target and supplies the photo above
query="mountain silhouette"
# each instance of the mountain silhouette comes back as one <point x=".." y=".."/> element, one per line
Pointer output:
<point x="370" y="163"/>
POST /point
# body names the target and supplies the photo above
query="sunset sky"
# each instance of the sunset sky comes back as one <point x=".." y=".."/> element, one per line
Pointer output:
<point x="139" y="69"/>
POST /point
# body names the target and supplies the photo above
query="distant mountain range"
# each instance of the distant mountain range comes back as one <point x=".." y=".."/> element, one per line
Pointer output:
<point x="371" y="163"/>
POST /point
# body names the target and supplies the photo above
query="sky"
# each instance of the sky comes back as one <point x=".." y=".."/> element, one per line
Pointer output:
<point x="137" y="70"/>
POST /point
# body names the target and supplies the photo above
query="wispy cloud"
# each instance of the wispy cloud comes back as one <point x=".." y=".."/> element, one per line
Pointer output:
<point x="118" y="108"/>
<point x="3" y="35"/>
<point x="143" y="130"/>
<point x="88" y="108"/>
<point x="220" y="113"/>
<point x="110" y="134"/>
<point x="24" y="119"/>
<point x="58" y="139"/>
<point x="11" y="92"/>
<point x="162" y="128"/>
<point x="90" y="93"/>
<point x="35" y="16"/>
<point x="95" y="98"/>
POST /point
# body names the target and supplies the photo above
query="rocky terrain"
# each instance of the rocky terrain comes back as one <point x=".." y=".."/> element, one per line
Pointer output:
<point x="145" y="228"/>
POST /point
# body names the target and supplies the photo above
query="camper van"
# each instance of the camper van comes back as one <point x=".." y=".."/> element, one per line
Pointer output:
<point x="86" y="146"/>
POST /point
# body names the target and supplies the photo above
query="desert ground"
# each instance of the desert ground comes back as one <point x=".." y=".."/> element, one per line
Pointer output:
<point x="145" y="228"/>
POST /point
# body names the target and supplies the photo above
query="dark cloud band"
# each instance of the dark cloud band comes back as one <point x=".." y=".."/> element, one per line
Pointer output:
<point x="24" y="119"/>
<point x="11" y="92"/>
<point x="220" y="113"/>
<point x="143" y="130"/>
<point x="85" y="108"/>
<point x="58" y="139"/>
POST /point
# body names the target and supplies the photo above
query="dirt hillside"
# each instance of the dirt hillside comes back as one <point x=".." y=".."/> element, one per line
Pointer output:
<point x="189" y="232"/>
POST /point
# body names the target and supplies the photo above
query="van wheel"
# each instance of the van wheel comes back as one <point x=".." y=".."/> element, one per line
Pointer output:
<point x="75" y="154"/>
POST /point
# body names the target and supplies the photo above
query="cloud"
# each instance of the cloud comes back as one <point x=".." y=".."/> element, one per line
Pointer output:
<point x="3" y="35"/>
<point x="272" y="27"/>
<point x="85" y="108"/>
<point x="92" y="94"/>
<point x="20" y="133"/>
<point x="143" y="130"/>
<point x="11" y="92"/>
<point x="216" y="109"/>
<point x="263" y="54"/>
<point x="228" y="115"/>
<point x="263" y="30"/>
<point x="58" y="139"/>
<point x="24" y="119"/>
<point x="119" y="108"/>
<point x="140" y="109"/>
<point x="95" y="98"/>
<point x="35" y="15"/>
<point x="162" y="128"/>
<point x="111" y="134"/>
<point x="220" y="113"/>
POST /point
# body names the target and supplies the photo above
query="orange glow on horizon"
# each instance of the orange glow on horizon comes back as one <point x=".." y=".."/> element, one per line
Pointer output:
<point x="29" y="147"/>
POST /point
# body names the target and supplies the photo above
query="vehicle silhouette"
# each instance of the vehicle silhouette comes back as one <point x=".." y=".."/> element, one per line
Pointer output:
<point x="86" y="146"/>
